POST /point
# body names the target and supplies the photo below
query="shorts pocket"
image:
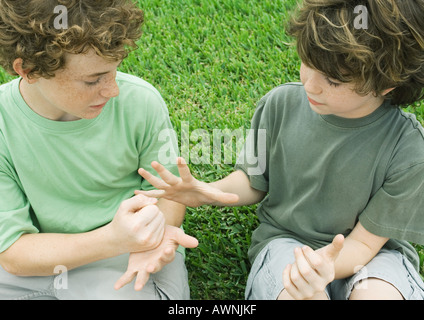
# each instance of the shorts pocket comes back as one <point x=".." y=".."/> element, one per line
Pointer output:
<point x="415" y="281"/>
<point x="260" y="283"/>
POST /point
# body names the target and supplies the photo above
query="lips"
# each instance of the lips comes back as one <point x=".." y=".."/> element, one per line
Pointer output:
<point x="99" y="105"/>
<point x="315" y="103"/>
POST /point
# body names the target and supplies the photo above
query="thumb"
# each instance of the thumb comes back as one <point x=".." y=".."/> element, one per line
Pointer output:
<point x="144" y="201"/>
<point x="184" y="239"/>
<point x="332" y="251"/>
<point x="137" y="203"/>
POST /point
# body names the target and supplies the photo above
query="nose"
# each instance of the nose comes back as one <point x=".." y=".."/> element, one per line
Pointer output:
<point x="111" y="89"/>
<point x="311" y="81"/>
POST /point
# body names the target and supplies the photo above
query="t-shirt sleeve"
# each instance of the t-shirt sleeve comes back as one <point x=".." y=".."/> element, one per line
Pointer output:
<point x="15" y="217"/>
<point x="253" y="159"/>
<point x="397" y="209"/>
<point x="159" y="142"/>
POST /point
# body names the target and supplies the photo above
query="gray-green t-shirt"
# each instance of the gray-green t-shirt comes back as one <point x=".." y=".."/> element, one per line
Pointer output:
<point x="323" y="173"/>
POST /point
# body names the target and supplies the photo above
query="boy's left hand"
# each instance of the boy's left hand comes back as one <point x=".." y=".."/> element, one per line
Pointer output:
<point x="142" y="264"/>
<point x="312" y="270"/>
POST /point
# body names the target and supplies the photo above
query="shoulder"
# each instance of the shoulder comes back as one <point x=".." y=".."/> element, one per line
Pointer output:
<point x="7" y="91"/>
<point x="5" y="88"/>
<point x="411" y="124"/>
<point x="131" y="82"/>
<point x="139" y="96"/>
<point x="6" y="111"/>
<point x="409" y="144"/>
<point x="411" y="130"/>
<point x="288" y="92"/>
<point x="282" y="102"/>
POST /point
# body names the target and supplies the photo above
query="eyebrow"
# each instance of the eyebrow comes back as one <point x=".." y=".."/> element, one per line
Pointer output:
<point x="97" y="74"/>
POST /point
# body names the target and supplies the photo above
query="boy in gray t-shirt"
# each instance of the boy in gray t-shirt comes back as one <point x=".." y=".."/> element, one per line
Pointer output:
<point x="340" y="177"/>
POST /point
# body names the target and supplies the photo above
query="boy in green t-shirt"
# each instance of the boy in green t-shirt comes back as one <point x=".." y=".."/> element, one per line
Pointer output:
<point x="340" y="171"/>
<point x="73" y="132"/>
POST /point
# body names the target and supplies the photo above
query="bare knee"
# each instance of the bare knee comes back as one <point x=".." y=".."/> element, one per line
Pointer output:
<point x="375" y="289"/>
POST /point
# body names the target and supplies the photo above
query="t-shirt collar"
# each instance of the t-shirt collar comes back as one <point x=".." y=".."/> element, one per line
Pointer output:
<point x="359" y="122"/>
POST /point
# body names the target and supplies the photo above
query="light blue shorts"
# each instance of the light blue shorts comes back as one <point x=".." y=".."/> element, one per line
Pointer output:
<point x="265" y="280"/>
<point x="95" y="281"/>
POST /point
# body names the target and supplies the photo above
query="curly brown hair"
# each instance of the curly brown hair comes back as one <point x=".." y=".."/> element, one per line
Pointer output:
<point x="27" y="31"/>
<point x="387" y="54"/>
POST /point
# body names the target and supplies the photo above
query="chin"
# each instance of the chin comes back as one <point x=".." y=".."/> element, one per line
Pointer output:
<point x="91" y="115"/>
<point x="319" y="111"/>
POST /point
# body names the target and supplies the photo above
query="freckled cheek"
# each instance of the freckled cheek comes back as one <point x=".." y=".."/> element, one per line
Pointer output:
<point x="73" y="96"/>
<point x="78" y="99"/>
<point x="337" y="98"/>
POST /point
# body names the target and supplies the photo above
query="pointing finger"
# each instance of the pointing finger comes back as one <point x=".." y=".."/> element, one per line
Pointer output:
<point x="165" y="174"/>
<point x="154" y="181"/>
<point x="151" y="193"/>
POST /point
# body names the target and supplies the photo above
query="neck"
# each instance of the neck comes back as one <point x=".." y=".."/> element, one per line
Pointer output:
<point x="40" y="105"/>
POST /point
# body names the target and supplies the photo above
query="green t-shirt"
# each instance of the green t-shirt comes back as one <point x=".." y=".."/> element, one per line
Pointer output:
<point x="323" y="173"/>
<point x="70" y="177"/>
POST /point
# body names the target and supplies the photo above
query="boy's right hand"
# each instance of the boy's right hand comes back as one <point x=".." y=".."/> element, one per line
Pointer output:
<point x="138" y="225"/>
<point x="184" y="189"/>
<point x="312" y="270"/>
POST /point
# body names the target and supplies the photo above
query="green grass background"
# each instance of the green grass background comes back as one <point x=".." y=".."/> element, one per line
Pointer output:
<point x="212" y="60"/>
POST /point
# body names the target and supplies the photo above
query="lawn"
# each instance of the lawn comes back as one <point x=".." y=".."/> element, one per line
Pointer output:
<point x="212" y="60"/>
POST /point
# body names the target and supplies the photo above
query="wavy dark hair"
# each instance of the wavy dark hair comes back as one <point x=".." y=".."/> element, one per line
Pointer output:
<point x="388" y="54"/>
<point x="27" y="31"/>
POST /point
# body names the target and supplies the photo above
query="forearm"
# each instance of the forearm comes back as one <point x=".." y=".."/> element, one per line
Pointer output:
<point x="239" y="184"/>
<point x="353" y="256"/>
<point x="174" y="212"/>
<point x="39" y="254"/>
<point x="359" y="248"/>
<point x="137" y="226"/>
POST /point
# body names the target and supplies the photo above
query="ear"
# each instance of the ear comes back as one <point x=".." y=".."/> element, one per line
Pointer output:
<point x="18" y="67"/>
<point x="385" y="92"/>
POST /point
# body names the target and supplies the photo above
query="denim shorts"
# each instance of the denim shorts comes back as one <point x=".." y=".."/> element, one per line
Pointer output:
<point x="95" y="281"/>
<point x="265" y="280"/>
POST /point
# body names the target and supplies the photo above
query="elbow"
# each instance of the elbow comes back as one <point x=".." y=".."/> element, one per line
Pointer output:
<point x="9" y="268"/>
<point x="22" y="268"/>
<point x="14" y="271"/>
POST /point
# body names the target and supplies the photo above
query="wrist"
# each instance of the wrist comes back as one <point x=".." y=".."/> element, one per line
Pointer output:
<point x="111" y="241"/>
<point x="173" y="212"/>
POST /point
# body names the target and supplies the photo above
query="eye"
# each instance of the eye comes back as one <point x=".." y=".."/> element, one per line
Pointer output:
<point x="90" y="84"/>
<point x="332" y="83"/>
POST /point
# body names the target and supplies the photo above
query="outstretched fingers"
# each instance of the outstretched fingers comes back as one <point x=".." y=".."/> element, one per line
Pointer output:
<point x="154" y="181"/>
<point x="150" y="193"/>
<point x="165" y="174"/>
<point x="167" y="257"/>
<point x="166" y="177"/>
<point x="128" y="277"/>
<point x="184" y="170"/>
